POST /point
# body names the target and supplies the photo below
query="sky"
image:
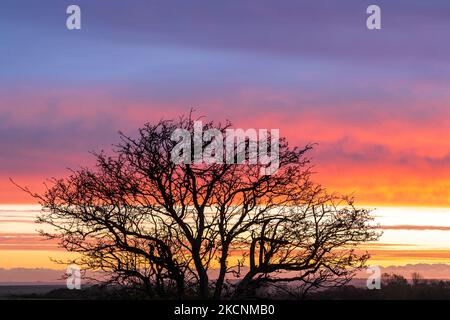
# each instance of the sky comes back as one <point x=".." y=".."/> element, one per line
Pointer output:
<point x="376" y="102"/>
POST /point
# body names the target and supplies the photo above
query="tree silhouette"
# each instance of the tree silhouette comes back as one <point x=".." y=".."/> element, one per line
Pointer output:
<point x="208" y="230"/>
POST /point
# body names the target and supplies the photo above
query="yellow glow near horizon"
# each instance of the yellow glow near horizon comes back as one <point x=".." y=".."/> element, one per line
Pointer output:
<point x="398" y="245"/>
<point x="32" y="258"/>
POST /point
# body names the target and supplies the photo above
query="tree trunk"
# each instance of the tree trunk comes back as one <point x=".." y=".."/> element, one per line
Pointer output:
<point x="243" y="284"/>
<point x="203" y="281"/>
<point x="222" y="272"/>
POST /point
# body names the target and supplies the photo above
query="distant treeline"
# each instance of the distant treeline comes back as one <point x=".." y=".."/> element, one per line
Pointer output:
<point x="393" y="287"/>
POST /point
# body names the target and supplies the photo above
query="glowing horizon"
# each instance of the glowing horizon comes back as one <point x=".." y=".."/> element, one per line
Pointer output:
<point x="401" y="244"/>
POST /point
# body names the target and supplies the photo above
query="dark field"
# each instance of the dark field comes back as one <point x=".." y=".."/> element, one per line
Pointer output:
<point x="9" y="291"/>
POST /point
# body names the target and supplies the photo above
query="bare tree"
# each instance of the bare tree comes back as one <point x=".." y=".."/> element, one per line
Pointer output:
<point x="208" y="229"/>
<point x="417" y="279"/>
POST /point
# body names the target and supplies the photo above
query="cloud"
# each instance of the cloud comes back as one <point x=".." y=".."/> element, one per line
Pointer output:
<point x="30" y="275"/>
<point x="376" y="102"/>
<point x="27" y="241"/>
<point x="427" y="271"/>
<point x="40" y="276"/>
<point x="415" y="227"/>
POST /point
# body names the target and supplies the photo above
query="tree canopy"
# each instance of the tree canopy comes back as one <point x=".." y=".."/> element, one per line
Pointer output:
<point x="205" y="229"/>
